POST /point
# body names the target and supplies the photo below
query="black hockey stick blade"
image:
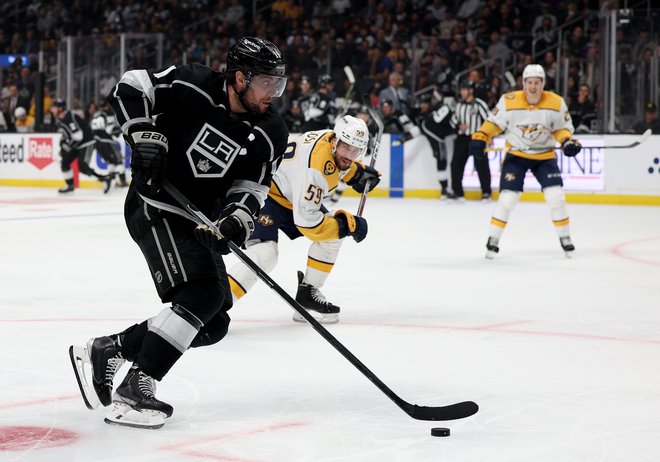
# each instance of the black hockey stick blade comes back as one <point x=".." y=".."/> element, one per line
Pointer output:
<point x="451" y="412"/>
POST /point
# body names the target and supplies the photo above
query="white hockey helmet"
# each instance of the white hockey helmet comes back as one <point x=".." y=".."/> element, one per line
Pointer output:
<point x="533" y="70"/>
<point x="353" y="131"/>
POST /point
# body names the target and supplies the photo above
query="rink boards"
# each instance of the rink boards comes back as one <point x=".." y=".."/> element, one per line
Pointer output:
<point x="596" y="175"/>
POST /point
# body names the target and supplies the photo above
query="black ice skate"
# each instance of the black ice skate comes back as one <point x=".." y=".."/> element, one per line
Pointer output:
<point x="107" y="183"/>
<point x="567" y="245"/>
<point x="95" y="366"/>
<point x="68" y="188"/>
<point x="135" y="403"/>
<point x="121" y="181"/>
<point x="492" y="247"/>
<point x="315" y="303"/>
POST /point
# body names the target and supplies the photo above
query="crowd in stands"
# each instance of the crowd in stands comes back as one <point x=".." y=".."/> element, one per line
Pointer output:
<point x="426" y="43"/>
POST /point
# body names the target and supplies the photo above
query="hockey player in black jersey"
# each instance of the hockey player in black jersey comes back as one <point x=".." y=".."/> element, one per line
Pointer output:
<point x="433" y="121"/>
<point x="103" y="126"/>
<point x="76" y="142"/>
<point x="317" y="106"/>
<point x="215" y="138"/>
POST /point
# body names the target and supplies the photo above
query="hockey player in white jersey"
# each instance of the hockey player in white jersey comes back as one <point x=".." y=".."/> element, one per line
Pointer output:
<point x="533" y="120"/>
<point x="311" y="168"/>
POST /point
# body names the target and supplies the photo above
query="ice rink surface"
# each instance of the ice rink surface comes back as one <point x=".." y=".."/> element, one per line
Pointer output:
<point x="563" y="356"/>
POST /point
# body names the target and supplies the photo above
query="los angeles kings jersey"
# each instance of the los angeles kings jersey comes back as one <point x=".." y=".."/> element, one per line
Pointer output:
<point x="216" y="157"/>
<point x="75" y="132"/>
<point x="528" y="127"/>
<point x="436" y="124"/>
<point x="307" y="175"/>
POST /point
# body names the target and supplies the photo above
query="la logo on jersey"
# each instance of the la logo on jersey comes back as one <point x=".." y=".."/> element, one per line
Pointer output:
<point x="211" y="153"/>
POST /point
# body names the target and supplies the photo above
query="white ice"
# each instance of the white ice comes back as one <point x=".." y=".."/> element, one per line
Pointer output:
<point x="562" y="356"/>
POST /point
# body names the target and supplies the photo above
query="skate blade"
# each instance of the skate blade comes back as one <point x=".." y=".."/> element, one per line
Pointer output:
<point x="569" y="253"/>
<point x="331" y="318"/>
<point x="82" y="367"/>
<point x="490" y="254"/>
<point x="124" y="415"/>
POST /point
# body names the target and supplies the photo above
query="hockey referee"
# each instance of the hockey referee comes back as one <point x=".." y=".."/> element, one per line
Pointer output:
<point x="470" y="113"/>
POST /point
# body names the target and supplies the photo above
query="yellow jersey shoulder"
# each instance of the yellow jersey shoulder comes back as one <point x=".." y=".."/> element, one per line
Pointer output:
<point x="515" y="100"/>
<point x="322" y="160"/>
<point x="550" y="100"/>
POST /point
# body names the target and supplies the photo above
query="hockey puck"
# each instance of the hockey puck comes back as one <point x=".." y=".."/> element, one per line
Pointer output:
<point x="440" y="431"/>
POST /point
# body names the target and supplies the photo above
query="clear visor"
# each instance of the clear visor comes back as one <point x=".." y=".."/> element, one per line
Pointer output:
<point x="269" y="84"/>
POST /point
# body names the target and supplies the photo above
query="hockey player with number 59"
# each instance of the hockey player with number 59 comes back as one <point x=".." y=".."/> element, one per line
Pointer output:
<point x="311" y="169"/>
<point x="533" y="120"/>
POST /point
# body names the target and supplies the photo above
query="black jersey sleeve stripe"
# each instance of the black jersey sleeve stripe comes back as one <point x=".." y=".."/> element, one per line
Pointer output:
<point x="269" y="141"/>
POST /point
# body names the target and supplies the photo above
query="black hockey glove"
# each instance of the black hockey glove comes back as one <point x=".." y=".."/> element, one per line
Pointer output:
<point x="351" y="225"/>
<point x="149" y="157"/>
<point x="476" y="149"/>
<point x="235" y="224"/>
<point x="362" y="174"/>
<point x="571" y="147"/>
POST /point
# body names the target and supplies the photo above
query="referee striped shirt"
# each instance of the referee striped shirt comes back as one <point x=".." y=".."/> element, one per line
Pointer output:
<point x="472" y="114"/>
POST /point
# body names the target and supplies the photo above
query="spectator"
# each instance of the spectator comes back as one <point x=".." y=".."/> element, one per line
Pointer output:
<point x="497" y="48"/>
<point x="6" y="120"/>
<point x="650" y="120"/>
<point x="550" y="66"/>
<point x="395" y="92"/>
<point x="519" y="38"/>
<point x="582" y="110"/>
<point x="24" y="122"/>
<point x="627" y="77"/>
<point x="546" y="17"/>
<point x="576" y="43"/>
<point x="480" y="87"/>
<point x="15" y="100"/>
<point x="48" y="119"/>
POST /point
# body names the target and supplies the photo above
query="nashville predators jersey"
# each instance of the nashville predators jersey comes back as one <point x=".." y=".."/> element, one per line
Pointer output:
<point x="529" y="128"/>
<point x="306" y="176"/>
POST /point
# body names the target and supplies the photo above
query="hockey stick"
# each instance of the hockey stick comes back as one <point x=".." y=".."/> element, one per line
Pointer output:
<point x="374" y="153"/>
<point x="450" y="412"/>
<point x="643" y="137"/>
<point x="351" y="82"/>
<point x="510" y="79"/>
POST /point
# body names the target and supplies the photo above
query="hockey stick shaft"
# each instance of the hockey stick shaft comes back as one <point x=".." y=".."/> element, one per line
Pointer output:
<point x="351" y="82"/>
<point x="643" y="137"/>
<point x="451" y="412"/>
<point x="374" y="154"/>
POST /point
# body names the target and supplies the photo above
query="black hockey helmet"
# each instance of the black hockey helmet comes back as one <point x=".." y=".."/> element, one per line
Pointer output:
<point x="59" y="102"/>
<point x="254" y="55"/>
<point x="325" y="80"/>
<point x="426" y="97"/>
<point x="465" y="83"/>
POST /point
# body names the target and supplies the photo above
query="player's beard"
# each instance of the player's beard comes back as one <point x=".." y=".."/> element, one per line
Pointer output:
<point x="258" y="107"/>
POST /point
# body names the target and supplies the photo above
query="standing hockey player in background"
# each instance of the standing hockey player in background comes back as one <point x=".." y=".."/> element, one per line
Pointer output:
<point x="434" y="123"/>
<point x="532" y="120"/>
<point x="76" y="142"/>
<point x="310" y="170"/>
<point x="103" y="126"/>
<point x="217" y="140"/>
